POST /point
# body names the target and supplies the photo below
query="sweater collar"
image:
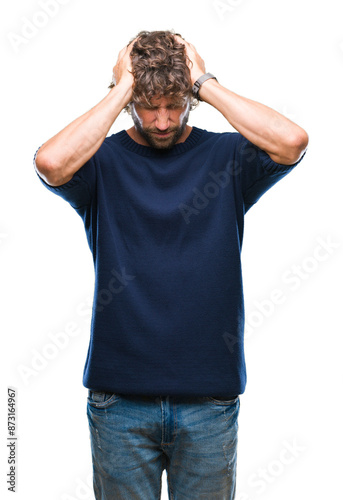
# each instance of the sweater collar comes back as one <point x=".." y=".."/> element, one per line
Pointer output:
<point x="178" y="148"/>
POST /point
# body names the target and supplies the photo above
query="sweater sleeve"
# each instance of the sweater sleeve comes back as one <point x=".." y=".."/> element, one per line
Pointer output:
<point x="258" y="172"/>
<point x="80" y="189"/>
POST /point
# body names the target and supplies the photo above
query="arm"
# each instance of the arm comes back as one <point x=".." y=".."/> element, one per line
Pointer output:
<point x="59" y="158"/>
<point x="283" y="140"/>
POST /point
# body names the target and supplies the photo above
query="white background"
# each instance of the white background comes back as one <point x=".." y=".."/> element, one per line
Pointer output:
<point x="285" y="54"/>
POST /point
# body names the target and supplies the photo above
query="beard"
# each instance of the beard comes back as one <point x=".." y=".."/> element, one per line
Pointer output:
<point x="160" y="142"/>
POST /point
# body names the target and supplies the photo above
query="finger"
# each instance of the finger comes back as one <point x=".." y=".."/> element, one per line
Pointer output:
<point x="127" y="47"/>
<point x="130" y="45"/>
<point x="121" y="53"/>
<point x="181" y="40"/>
<point x="191" y="46"/>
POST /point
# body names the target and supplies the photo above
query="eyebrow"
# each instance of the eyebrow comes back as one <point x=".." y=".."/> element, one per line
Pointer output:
<point x="175" y="104"/>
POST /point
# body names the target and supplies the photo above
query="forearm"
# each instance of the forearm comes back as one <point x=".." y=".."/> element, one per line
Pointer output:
<point x="278" y="136"/>
<point x="64" y="154"/>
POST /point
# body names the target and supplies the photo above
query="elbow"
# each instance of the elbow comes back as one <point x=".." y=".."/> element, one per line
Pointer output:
<point x="47" y="170"/>
<point x="296" y="147"/>
<point x="43" y="166"/>
<point x="300" y="141"/>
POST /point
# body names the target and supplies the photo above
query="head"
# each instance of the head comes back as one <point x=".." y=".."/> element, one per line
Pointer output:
<point x="162" y="92"/>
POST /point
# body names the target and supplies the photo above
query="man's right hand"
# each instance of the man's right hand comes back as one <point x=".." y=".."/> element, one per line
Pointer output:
<point x="65" y="153"/>
<point x="122" y="70"/>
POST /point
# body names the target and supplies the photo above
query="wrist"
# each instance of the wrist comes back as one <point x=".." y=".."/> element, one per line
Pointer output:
<point x="123" y="90"/>
<point x="205" y="77"/>
<point x="208" y="90"/>
<point x="196" y="75"/>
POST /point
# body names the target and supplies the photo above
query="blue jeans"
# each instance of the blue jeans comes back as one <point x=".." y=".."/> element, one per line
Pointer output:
<point x="134" y="438"/>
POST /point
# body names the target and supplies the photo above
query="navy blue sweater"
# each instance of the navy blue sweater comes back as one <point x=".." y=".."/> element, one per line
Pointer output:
<point x="165" y="229"/>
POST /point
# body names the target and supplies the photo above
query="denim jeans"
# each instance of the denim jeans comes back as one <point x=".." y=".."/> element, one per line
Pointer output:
<point x="134" y="438"/>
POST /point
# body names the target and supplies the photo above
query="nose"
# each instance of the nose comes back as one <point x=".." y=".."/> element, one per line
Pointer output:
<point x="162" y="119"/>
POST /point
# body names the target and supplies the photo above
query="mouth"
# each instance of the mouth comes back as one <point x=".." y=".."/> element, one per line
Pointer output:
<point x="162" y="134"/>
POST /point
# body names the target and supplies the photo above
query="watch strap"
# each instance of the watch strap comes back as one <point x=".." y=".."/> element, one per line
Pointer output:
<point x="199" y="82"/>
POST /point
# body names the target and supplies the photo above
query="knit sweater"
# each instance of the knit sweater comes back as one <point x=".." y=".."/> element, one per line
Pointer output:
<point x="165" y="228"/>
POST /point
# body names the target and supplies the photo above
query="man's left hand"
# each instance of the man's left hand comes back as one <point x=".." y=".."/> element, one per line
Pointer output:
<point x="195" y="62"/>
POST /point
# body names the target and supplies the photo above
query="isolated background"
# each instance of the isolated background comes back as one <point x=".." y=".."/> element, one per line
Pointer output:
<point x="285" y="54"/>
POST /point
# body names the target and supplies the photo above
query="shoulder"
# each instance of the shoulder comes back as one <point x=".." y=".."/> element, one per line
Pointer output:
<point x="220" y="139"/>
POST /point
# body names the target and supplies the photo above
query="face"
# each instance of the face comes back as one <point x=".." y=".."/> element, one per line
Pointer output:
<point x="162" y="123"/>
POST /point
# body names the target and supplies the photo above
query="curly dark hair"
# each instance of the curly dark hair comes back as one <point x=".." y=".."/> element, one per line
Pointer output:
<point x="159" y="68"/>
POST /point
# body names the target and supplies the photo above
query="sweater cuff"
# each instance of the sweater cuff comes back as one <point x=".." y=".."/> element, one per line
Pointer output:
<point x="272" y="167"/>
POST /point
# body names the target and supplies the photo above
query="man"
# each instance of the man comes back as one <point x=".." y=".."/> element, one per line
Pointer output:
<point x="163" y="205"/>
